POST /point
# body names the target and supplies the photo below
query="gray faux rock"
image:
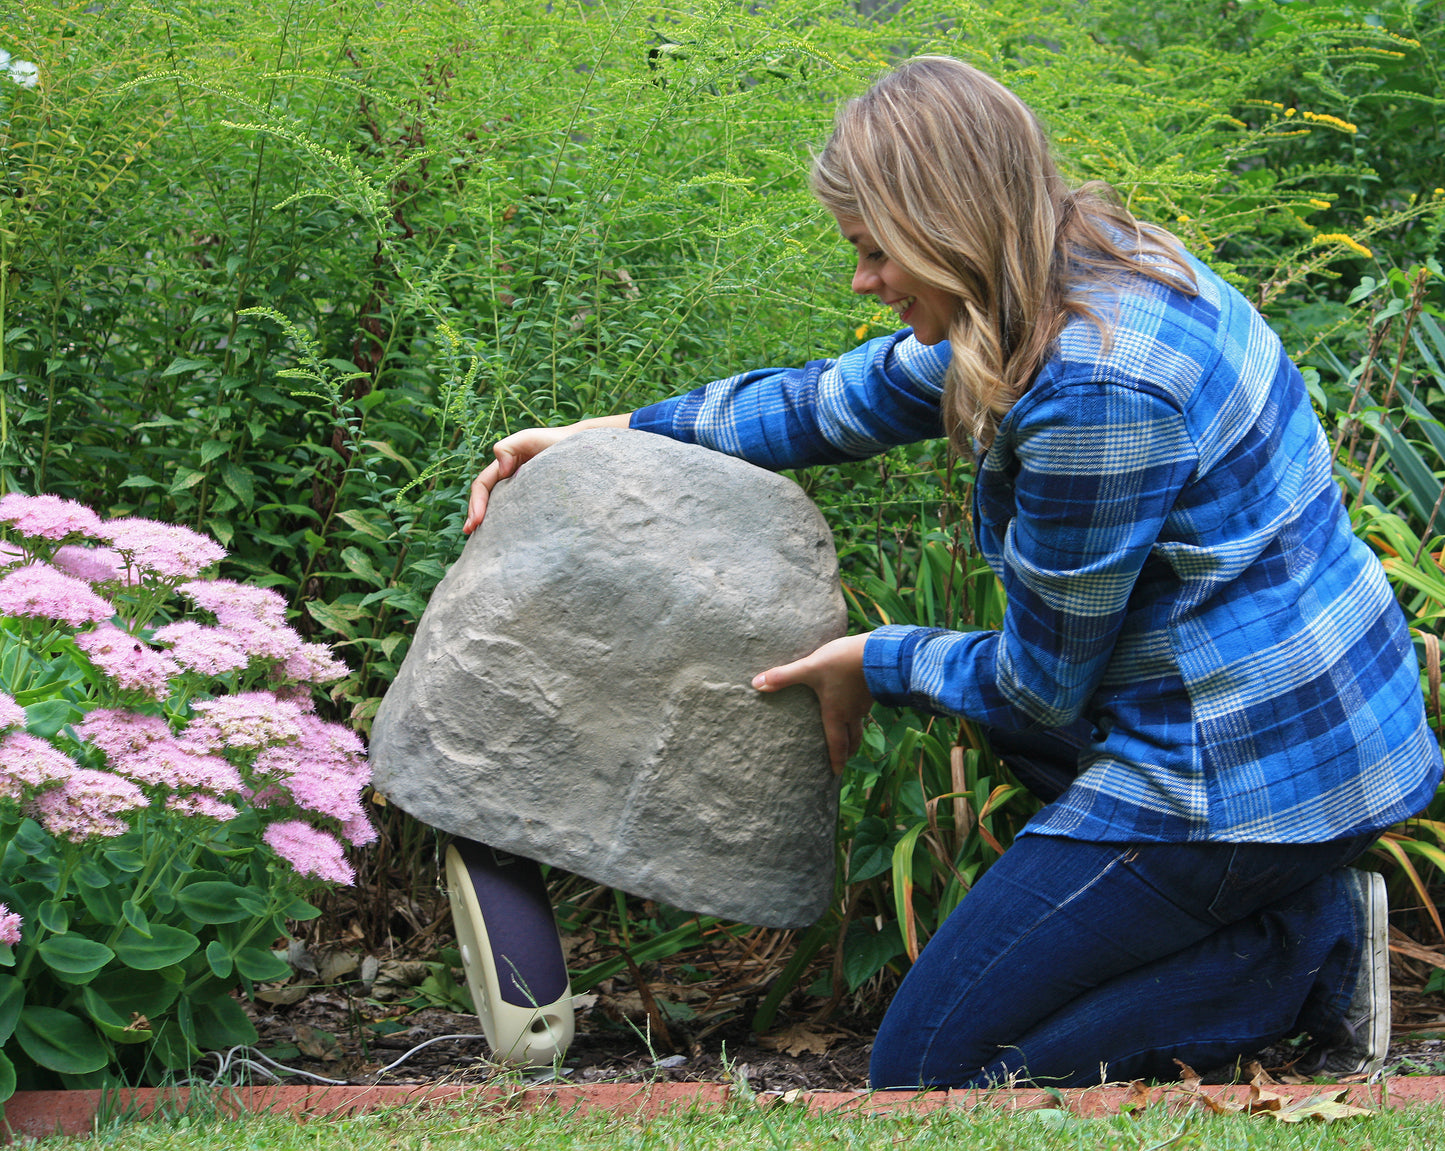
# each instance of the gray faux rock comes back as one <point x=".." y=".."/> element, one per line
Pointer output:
<point x="578" y="688"/>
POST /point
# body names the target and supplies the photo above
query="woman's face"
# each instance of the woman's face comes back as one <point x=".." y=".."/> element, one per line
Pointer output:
<point x="927" y="310"/>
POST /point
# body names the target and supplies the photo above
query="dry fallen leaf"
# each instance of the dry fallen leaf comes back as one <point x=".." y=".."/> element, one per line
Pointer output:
<point x="1140" y="1097"/>
<point x="1218" y="1106"/>
<point x="1262" y="1100"/>
<point x="801" y="1037"/>
<point x="317" y="1044"/>
<point x="1189" y="1078"/>
<point x="284" y="994"/>
<point x="333" y="965"/>
<point x="1321" y="1108"/>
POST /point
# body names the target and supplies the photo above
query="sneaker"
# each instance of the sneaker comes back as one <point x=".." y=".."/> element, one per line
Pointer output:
<point x="1360" y="1045"/>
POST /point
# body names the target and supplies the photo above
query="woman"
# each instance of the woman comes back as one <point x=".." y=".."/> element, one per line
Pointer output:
<point x="1201" y="669"/>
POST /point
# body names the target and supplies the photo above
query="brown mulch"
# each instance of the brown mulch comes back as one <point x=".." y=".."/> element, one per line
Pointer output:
<point x="326" y="1036"/>
<point x="338" y="1033"/>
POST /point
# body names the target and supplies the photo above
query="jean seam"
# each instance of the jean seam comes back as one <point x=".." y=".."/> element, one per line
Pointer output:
<point x="927" y="1049"/>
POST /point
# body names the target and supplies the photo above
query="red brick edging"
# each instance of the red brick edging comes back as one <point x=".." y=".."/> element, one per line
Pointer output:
<point x="43" y="1113"/>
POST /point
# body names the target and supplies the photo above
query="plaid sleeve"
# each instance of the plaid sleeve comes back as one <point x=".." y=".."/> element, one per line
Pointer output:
<point x="1099" y="468"/>
<point x="881" y="393"/>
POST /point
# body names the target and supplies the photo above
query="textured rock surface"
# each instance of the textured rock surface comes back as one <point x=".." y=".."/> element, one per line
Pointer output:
<point x="577" y="690"/>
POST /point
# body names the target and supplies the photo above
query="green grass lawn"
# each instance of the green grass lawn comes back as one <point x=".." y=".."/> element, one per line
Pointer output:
<point x="749" y="1128"/>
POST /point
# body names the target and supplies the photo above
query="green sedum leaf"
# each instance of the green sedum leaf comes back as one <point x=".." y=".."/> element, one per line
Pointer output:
<point x="133" y="914"/>
<point x="255" y="963"/>
<point x="60" y="1041"/>
<point x="74" y="954"/>
<point x="222" y="1023"/>
<point x="113" y="1025"/>
<point x="48" y="716"/>
<point x="12" y="999"/>
<point x="166" y="945"/>
<point x="218" y="959"/>
<point x="215" y="902"/>
<point x="126" y="994"/>
<point x="54" y="915"/>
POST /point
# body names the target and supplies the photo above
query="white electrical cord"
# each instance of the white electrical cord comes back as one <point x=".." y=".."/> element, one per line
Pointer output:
<point x="419" y="1046"/>
<point x="244" y="1058"/>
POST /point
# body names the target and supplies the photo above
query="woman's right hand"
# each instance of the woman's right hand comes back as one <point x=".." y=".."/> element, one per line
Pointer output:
<point x="516" y="450"/>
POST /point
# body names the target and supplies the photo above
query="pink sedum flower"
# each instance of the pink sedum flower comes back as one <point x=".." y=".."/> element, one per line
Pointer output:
<point x="324" y="770"/>
<point x="10" y="922"/>
<point x="39" y="590"/>
<point x="167" y="550"/>
<point x="11" y="713"/>
<point x="28" y="762"/>
<point x="207" y="650"/>
<point x="248" y="719"/>
<point x="230" y="602"/>
<point x="131" y="663"/>
<point x="48" y="517"/>
<point x="93" y="565"/>
<point x="334" y="742"/>
<point x="261" y="640"/>
<point x="88" y="804"/>
<point x="359" y="831"/>
<point x="199" y="803"/>
<point x="310" y="851"/>
<point x="179" y="765"/>
<point x="314" y="663"/>
<point x="118" y="732"/>
<point x="320" y="787"/>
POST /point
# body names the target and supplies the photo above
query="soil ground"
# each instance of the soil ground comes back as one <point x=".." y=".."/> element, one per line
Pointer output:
<point x="336" y="1033"/>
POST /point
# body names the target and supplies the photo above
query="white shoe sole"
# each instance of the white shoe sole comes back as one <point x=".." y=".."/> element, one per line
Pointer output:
<point x="1377" y="968"/>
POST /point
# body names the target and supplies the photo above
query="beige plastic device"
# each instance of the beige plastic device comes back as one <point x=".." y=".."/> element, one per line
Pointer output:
<point x="512" y="954"/>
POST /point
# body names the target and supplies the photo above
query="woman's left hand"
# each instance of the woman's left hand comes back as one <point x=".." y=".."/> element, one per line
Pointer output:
<point x="835" y="673"/>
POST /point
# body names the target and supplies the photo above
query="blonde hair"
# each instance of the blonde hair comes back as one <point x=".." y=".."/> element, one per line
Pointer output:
<point x="952" y="175"/>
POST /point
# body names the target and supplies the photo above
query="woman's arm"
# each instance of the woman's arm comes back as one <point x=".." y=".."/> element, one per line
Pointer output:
<point x="881" y="393"/>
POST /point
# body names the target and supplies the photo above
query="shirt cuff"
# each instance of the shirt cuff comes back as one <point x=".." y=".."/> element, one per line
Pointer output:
<point x="657" y="418"/>
<point x="888" y="662"/>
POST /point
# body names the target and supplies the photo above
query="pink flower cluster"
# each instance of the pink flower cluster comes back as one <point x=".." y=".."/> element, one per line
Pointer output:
<point x="309" y="850"/>
<point x="249" y="720"/>
<point x="296" y="758"/>
<point x="10" y="922"/>
<point x="11" y="713"/>
<point x="89" y="803"/>
<point x="324" y="771"/>
<point x="48" y="517"/>
<point x="67" y="799"/>
<point x="206" y="650"/>
<point x="248" y="746"/>
<point x="251" y="624"/>
<point x="167" y="550"/>
<point x="28" y="762"/>
<point x="130" y="662"/>
<point x="142" y="748"/>
<point x="40" y="591"/>
<point x="93" y="565"/>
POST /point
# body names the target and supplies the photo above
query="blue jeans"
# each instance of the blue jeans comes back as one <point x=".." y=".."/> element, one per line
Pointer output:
<point x="1072" y="962"/>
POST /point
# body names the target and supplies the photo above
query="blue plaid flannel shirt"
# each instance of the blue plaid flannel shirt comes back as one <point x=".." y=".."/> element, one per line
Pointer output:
<point x="1184" y="589"/>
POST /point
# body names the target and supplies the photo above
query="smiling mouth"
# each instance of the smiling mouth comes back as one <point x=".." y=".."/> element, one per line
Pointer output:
<point x="902" y="306"/>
